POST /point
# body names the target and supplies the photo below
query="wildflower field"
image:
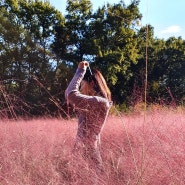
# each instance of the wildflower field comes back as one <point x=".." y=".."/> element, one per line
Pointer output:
<point x="147" y="149"/>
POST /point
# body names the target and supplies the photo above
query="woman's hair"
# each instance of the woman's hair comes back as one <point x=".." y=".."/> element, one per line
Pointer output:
<point x="100" y="85"/>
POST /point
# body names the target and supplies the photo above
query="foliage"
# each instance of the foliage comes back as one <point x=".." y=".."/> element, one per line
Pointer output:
<point x="40" y="49"/>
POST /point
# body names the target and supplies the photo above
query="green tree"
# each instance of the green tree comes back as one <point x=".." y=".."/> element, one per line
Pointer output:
<point x="39" y="19"/>
<point x="15" y="45"/>
<point x="115" y="42"/>
<point x="106" y="38"/>
<point x="164" y="69"/>
<point x="78" y="18"/>
<point x="169" y="70"/>
<point x="26" y="37"/>
<point x="147" y="50"/>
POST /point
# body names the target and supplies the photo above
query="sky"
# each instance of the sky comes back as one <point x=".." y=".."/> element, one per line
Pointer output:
<point x="166" y="16"/>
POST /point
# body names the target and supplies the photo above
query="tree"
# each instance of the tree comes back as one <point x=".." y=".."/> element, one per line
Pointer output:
<point x="116" y="44"/>
<point x="170" y="66"/>
<point x="15" y="45"/>
<point x="147" y="49"/>
<point x="27" y="31"/>
<point x="164" y="69"/>
<point x="78" y="18"/>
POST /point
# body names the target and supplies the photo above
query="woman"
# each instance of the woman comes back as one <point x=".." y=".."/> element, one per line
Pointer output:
<point x="91" y="98"/>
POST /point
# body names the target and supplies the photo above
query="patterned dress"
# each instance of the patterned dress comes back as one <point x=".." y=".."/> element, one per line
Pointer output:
<point x="92" y="114"/>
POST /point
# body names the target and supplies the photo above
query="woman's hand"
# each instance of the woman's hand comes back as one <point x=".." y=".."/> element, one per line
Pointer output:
<point x="83" y="65"/>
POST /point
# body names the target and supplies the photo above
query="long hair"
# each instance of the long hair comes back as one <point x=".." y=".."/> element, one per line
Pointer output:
<point x="100" y="85"/>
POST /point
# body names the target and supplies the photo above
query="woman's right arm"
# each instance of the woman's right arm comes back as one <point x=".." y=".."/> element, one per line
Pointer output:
<point x="75" y="82"/>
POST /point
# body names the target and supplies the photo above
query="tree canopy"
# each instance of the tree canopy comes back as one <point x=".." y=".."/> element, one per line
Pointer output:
<point x="40" y="49"/>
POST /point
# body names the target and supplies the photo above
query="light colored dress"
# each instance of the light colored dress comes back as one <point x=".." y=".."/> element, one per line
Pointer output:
<point x="92" y="114"/>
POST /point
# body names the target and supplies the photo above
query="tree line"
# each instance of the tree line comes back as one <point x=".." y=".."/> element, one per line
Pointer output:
<point x="40" y="48"/>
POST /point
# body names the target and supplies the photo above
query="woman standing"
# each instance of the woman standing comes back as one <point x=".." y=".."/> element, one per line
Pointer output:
<point x="91" y="98"/>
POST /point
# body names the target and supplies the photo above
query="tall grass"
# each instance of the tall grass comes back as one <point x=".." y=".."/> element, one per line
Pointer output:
<point x="134" y="151"/>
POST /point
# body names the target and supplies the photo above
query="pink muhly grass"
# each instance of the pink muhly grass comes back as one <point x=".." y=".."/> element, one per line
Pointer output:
<point x="136" y="149"/>
<point x="157" y="144"/>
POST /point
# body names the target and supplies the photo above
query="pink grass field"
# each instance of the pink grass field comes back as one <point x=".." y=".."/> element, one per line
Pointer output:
<point x="136" y="149"/>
